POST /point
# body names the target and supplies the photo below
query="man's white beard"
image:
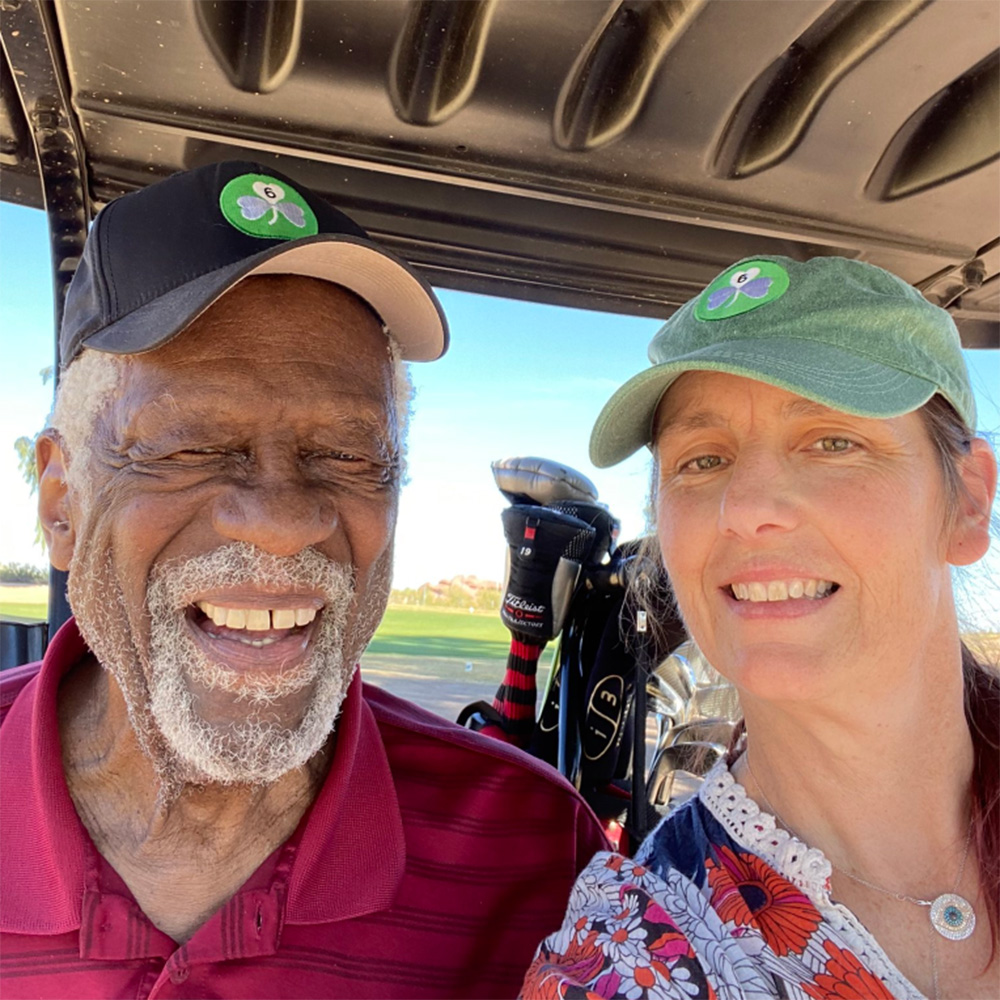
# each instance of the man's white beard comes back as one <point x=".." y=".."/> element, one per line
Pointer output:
<point x="258" y="749"/>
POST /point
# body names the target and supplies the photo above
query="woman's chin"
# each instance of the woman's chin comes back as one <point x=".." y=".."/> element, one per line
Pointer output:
<point x="777" y="672"/>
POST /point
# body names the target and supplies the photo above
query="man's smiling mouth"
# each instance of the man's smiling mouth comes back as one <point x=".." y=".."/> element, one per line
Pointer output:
<point x="256" y="627"/>
<point x="257" y="619"/>
<point x="759" y="591"/>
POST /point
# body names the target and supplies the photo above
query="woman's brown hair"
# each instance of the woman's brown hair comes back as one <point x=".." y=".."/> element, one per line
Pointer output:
<point x="952" y="441"/>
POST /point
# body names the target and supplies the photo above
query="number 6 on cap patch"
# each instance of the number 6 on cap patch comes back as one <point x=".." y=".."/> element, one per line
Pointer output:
<point x="753" y="283"/>
<point x="259" y="205"/>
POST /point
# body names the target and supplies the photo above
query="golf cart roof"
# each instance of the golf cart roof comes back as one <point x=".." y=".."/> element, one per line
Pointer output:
<point x="608" y="155"/>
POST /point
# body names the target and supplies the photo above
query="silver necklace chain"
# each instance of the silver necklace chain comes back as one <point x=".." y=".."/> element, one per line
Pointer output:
<point x="900" y="896"/>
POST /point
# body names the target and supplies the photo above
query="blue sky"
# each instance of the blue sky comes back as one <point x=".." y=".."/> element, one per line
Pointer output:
<point x="519" y="379"/>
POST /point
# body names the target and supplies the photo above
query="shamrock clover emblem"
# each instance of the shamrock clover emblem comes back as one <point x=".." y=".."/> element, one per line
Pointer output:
<point x="741" y="283"/>
<point x="260" y="205"/>
<point x="270" y="196"/>
<point x="751" y="284"/>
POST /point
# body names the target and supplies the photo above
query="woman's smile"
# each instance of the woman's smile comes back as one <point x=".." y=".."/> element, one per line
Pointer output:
<point x="794" y="597"/>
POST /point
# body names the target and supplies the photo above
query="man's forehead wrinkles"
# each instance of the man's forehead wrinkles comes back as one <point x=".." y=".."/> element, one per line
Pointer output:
<point x="229" y="415"/>
<point x="258" y="355"/>
<point x="231" y="375"/>
<point x="240" y="321"/>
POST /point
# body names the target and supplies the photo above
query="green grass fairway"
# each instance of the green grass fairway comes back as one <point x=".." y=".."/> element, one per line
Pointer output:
<point x="29" y="601"/>
<point x="441" y="658"/>
<point x="441" y="632"/>
<point x="27" y="612"/>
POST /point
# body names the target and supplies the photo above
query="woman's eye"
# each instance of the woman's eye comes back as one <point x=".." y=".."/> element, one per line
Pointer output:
<point x="703" y="463"/>
<point x="834" y="444"/>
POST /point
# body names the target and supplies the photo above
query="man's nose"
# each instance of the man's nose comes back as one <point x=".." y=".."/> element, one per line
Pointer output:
<point x="282" y="517"/>
<point x="759" y="496"/>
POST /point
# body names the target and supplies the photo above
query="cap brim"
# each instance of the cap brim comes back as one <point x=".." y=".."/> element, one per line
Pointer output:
<point x="403" y="300"/>
<point x="816" y="371"/>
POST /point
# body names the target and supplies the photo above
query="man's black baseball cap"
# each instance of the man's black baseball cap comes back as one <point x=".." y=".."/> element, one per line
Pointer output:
<point x="157" y="258"/>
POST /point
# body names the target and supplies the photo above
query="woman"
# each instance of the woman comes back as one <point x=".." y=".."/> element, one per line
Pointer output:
<point x="816" y="479"/>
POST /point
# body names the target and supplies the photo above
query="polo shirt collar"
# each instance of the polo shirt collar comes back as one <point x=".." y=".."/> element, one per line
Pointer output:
<point x="346" y="858"/>
<point x="350" y="850"/>
<point x="47" y="853"/>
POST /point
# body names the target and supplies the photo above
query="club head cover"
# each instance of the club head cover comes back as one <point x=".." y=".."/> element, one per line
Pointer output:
<point x="545" y="550"/>
<point x="599" y="518"/>
<point x="540" y="481"/>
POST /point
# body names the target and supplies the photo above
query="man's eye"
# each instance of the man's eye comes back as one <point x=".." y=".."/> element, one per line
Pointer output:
<point x="360" y="468"/>
<point x="336" y="456"/>
<point x="194" y="454"/>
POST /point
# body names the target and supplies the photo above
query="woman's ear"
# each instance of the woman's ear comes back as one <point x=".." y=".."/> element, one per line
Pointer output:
<point x="969" y="538"/>
<point x="53" y="500"/>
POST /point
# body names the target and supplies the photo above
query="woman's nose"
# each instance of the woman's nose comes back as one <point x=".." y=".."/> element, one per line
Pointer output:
<point x="758" y="497"/>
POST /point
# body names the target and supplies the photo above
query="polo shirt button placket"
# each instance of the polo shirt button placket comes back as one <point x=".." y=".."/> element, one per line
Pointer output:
<point x="179" y="974"/>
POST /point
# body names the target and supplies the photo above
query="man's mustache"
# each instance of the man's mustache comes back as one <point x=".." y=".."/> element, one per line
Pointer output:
<point x="241" y="564"/>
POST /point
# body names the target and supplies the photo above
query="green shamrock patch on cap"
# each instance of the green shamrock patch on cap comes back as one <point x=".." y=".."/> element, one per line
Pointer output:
<point x="259" y="205"/>
<point x="747" y="286"/>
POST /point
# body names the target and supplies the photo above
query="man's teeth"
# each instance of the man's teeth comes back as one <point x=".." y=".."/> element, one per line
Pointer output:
<point x="257" y="619"/>
<point x="781" y="590"/>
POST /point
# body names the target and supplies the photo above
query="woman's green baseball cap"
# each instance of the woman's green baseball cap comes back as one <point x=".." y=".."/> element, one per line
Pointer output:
<point x="839" y="332"/>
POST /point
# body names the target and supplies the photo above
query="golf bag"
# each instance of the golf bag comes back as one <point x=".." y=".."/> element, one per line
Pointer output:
<point x="566" y="577"/>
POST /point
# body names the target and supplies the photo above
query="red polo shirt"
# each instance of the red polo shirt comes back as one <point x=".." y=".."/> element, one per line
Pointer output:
<point x="431" y="864"/>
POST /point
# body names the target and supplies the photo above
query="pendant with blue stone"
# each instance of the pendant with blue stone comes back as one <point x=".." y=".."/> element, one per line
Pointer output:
<point x="953" y="916"/>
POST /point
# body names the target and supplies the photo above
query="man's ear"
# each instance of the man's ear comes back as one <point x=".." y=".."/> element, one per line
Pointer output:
<point x="969" y="538"/>
<point x="53" y="500"/>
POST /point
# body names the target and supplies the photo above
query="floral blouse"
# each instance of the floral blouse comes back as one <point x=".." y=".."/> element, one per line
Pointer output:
<point x="719" y="902"/>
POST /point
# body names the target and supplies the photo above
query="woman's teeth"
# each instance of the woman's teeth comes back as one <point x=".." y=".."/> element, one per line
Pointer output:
<point x="257" y="619"/>
<point x="781" y="590"/>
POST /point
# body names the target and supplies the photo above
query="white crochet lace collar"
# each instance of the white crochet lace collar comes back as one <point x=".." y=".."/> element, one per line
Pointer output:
<point x="806" y="867"/>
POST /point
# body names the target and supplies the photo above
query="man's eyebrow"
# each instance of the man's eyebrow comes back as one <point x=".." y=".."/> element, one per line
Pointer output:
<point x="353" y="425"/>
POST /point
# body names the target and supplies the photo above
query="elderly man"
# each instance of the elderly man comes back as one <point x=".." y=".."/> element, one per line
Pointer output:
<point x="200" y="798"/>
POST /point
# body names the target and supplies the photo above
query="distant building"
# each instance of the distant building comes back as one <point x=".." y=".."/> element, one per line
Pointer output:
<point x="458" y="592"/>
